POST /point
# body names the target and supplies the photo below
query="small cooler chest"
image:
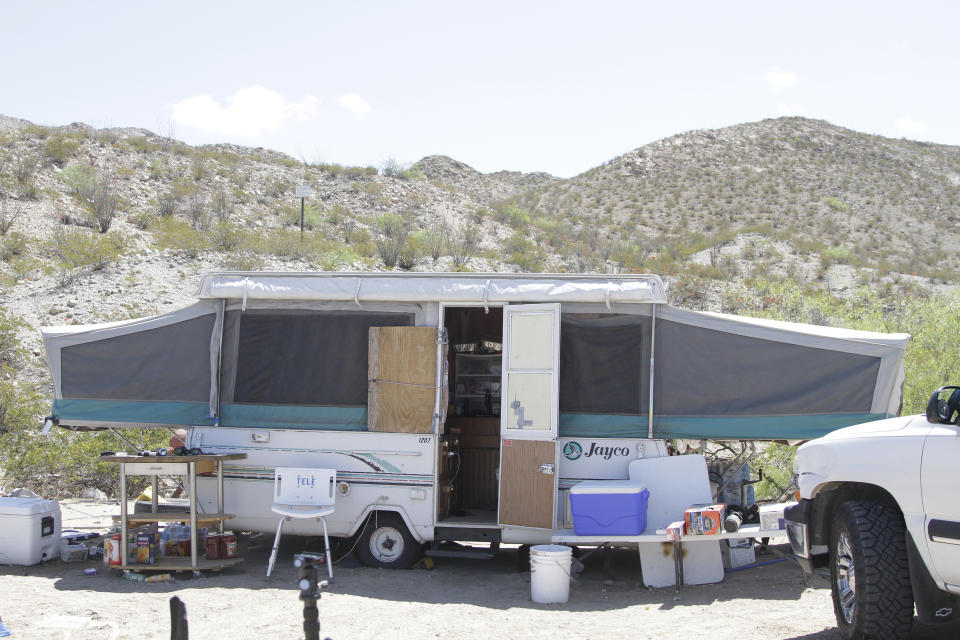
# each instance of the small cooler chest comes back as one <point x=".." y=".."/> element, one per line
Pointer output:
<point x="609" y="507"/>
<point x="29" y="530"/>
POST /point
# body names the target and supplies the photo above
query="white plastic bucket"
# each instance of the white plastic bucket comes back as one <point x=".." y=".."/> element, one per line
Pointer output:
<point x="550" y="573"/>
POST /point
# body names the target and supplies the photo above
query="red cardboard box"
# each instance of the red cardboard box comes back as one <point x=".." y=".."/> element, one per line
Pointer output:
<point x="704" y="519"/>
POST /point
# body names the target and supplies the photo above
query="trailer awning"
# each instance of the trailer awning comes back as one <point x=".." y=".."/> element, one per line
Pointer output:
<point x="407" y="287"/>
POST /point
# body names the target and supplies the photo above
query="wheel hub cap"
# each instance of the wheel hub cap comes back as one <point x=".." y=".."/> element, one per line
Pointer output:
<point x="846" y="578"/>
<point x="386" y="543"/>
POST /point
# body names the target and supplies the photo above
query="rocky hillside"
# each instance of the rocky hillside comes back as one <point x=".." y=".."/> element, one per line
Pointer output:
<point x="105" y="224"/>
<point x="858" y="199"/>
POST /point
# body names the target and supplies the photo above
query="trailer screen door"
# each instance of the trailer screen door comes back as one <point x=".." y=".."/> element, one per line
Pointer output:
<point x="529" y="415"/>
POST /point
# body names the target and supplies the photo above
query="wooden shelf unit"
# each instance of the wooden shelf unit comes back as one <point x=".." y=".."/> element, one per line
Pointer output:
<point x="186" y="466"/>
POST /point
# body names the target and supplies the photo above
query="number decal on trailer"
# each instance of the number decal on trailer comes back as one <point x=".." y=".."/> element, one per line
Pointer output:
<point x="424" y="439"/>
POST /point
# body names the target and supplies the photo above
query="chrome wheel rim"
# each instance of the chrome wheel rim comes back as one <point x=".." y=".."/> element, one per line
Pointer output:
<point x="846" y="578"/>
<point x="386" y="544"/>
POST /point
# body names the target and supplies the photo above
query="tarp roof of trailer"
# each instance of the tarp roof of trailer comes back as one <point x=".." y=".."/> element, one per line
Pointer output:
<point x="407" y="287"/>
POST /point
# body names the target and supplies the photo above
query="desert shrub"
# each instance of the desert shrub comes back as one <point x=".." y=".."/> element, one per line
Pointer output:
<point x="429" y="242"/>
<point x="59" y="148"/>
<point x="102" y="202"/>
<point x="11" y="350"/>
<point x="80" y="178"/>
<point x="390" y="235"/>
<point x="157" y="168"/>
<point x="462" y="242"/>
<point x="61" y="463"/>
<point x="12" y="246"/>
<point x="838" y="205"/>
<point x="168" y="203"/>
<point x="198" y="167"/>
<point x="242" y="261"/>
<point x="24" y="167"/>
<point x="523" y="252"/>
<point x="337" y="258"/>
<point x="197" y="211"/>
<point x="141" y="144"/>
<point x="511" y="214"/>
<point x="179" y="236"/>
<point x="221" y="203"/>
<point x="227" y="237"/>
<point x="75" y="247"/>
<point x="776" y="461"/>
<point x="312" y="216"/>
<point x="412" y="252"/>
<point x="143" y="219"/>
<point x="838" y="254"/>
<point x="9" y="213"/>
<point x="393" y="169"/>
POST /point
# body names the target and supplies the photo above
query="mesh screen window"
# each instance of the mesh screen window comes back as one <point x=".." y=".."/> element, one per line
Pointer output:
<point x="306" y="358"/>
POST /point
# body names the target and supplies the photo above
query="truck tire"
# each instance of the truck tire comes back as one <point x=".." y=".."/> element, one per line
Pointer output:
<point x="869" y="574"/>
<point x="386" y="543"/>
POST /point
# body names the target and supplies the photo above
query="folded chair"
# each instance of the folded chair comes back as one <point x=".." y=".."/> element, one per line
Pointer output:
<point x="303" y="493"/>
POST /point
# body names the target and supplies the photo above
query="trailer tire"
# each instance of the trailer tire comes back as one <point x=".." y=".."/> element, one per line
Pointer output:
<point x="869" y="571"/>
<point x="386" y="543"/>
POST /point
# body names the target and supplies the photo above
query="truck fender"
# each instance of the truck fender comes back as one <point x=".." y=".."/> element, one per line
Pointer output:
<point x="385" y="507"/>
<point x="934" y="605"/>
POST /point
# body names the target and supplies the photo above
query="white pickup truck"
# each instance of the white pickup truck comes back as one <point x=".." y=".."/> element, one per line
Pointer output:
<point x="880" y="505"/>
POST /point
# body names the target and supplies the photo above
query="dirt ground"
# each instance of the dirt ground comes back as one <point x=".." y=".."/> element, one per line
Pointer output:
<point x="456" y="599"/>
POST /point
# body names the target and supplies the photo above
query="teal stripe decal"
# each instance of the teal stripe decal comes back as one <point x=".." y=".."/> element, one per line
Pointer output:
<point x="163" y="412"/>
<point x="804" y="427"/>
<point x="283" y="416"/>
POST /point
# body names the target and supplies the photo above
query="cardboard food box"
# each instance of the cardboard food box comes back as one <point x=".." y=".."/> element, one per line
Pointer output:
<point x="737" y="553"/>
<point x="704" y="519"/>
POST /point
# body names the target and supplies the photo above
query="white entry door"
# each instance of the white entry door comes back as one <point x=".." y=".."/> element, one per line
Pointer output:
<point x="529" y="415"/>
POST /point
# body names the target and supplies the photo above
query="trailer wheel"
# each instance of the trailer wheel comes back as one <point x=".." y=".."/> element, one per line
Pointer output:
<point x="869" y="574"/>
<point x="385" y="542"/>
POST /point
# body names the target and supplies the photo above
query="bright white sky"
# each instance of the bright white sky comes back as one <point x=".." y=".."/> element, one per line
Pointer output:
<point x="553" y="86"/>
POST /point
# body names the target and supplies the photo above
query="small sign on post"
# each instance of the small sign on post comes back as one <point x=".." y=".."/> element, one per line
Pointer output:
<point x="303" y="191"/>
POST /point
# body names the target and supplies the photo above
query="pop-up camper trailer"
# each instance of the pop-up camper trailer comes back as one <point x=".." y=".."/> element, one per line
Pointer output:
<point x="453" y="403"/>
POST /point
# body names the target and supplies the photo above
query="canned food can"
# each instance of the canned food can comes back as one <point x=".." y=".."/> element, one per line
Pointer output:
<point x="213" y="546"/>
<point x="228" y="545"/>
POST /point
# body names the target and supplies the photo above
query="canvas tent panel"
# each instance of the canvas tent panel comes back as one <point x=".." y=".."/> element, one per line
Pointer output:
<point x="73" y="411"/>
<point x="170" y="362"/>
<point x="273" y="416"/>
<point x="707" y="372"/>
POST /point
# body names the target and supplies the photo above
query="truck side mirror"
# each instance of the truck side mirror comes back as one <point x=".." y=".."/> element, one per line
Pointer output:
<point x="941" y="410"/>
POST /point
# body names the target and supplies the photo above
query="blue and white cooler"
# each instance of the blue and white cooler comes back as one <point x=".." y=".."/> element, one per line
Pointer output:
<point x="609" y="507"/>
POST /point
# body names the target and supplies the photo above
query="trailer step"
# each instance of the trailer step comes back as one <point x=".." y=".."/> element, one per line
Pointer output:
<point x="467" y="534"/>
<point x="473" y="554"/>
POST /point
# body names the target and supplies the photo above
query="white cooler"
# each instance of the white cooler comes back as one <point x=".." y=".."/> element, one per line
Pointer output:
<point x="29" y="530"/>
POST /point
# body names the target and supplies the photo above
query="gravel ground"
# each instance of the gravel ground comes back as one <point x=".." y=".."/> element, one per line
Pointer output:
<point x="456" y="599"/>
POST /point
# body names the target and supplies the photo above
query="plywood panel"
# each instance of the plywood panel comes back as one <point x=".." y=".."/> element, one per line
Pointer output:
<point x="526" y="495"/>
<point x="402" y="369"/>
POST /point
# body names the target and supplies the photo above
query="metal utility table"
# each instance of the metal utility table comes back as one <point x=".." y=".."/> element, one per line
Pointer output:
<point x="568" y="536"/>
<point x="185" y="466"/>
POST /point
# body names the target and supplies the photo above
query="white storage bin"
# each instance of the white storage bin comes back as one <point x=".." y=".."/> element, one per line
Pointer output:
<point x="29" y="530"/>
